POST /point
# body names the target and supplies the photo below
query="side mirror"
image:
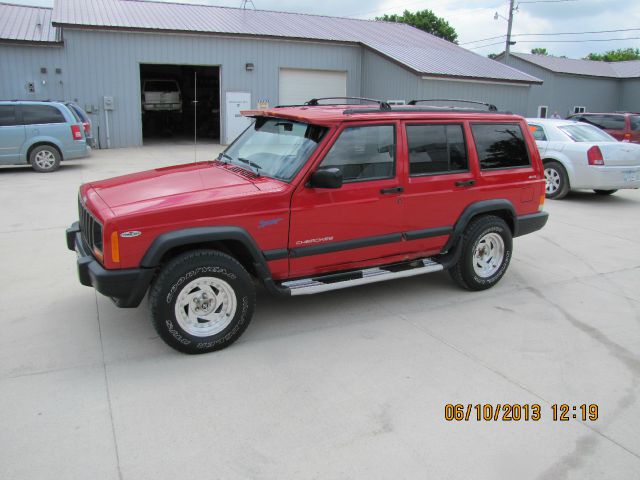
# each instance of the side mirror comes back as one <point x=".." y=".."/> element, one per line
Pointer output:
<point x="326" y="178"/>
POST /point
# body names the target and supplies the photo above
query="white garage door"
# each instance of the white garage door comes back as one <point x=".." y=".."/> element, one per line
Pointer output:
<point x="299" y="86"/>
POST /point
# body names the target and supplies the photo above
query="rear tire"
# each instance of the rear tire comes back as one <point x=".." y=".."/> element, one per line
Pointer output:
<point x="486" y="252"/>
<point x="557" y="186"/>
<point x="45" y="159"/>
<point x="202" y="301"/>
<point x="605" y="192"/>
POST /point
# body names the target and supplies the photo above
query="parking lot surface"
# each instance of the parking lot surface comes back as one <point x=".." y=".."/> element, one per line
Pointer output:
<point x="347" y="384"/>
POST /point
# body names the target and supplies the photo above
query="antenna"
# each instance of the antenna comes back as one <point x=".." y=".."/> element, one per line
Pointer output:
<point x="195" y="117"/>
<point x="247" y="3"/>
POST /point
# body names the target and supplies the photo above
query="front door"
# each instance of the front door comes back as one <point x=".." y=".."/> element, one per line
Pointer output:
<point x="334" y="229"/>
<point x="12" y="136"/>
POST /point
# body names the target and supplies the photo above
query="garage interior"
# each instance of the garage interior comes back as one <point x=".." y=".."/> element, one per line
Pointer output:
<point x="176" y="125"/>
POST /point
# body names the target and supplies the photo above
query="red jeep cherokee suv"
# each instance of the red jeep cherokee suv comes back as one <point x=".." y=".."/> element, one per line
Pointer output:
<point x="309" y="199"/>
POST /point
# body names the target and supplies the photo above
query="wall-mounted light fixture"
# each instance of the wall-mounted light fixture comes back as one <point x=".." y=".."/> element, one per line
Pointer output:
<point x="43" y="70"/>
<point x="249" y="67"/>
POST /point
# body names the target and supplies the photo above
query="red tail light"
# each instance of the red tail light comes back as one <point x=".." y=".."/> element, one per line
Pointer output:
<point x="87" y="128"/>
<point x="627" y="137"/>
<point x="595" y="156"/>
<point x="75" y="132"/>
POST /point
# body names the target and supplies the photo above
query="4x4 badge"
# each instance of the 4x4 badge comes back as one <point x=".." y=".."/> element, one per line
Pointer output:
<point x="131" y="234"/>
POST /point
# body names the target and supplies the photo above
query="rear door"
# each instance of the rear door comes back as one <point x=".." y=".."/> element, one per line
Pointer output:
<point x="441" y="182"/>
<point x="46" y="122"/>
<point x="12" y="136"/>
<point x="334" y="229"/>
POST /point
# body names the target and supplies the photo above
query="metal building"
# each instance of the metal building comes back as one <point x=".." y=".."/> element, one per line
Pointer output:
<point x="100" y="53"/>
<point x="574" y="86"/>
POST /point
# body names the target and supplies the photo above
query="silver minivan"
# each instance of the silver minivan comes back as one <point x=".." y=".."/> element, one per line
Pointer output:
<point x="41" y="134"/>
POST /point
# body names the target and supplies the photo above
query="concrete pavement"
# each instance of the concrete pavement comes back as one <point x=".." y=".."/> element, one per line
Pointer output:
<point x="348" y="384"/>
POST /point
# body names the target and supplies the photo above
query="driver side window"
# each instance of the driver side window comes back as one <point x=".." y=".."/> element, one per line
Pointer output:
<point x="363" y="153"/>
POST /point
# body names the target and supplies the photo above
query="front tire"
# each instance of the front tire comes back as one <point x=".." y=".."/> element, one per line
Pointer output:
<point x="202" y="301"/>
<point x="45" y="159"/>
<point x="557" y="186"/>
<point x="486" y="252"/>
<point x="605" y="192"/>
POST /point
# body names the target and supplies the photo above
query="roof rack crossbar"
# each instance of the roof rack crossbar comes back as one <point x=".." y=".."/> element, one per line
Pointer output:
<point x="490" y="106"/>
<point x="314" y="101"/>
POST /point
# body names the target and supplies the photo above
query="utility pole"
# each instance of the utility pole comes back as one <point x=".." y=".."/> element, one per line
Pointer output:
<point x="507" y="49"/>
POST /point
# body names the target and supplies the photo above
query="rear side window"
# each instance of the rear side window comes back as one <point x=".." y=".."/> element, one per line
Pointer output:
<point x="436" y="149"/>
<point x="363" y="153"/>
<point x="8" y="116"/>
<point x="538" y="132"/>
<point x="635" y="122"/>
<point x="39" y="114"/>
<point x="500" y="145"/>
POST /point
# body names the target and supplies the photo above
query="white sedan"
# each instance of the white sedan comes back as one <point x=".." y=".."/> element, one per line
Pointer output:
<point x="580" y="156"/>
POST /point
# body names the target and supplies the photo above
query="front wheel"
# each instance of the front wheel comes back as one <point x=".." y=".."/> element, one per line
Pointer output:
<point x="202" y="301"/>
<point x="486" y="252"/>
<point x="605" y="192"/>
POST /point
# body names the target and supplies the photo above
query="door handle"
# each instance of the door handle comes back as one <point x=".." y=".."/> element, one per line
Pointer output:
<point x="389" y="191"/>
<point x="466" y="183"/>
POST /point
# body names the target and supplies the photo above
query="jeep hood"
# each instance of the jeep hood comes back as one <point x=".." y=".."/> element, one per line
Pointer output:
<point x="214" y="181"/>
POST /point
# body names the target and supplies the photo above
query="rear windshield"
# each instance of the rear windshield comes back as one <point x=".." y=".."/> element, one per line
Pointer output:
<point x="586" y="133"/>
<point x="75" y="113"/>
<point x="160" y="86"/>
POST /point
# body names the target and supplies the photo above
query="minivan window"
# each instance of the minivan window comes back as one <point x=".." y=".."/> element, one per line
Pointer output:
<point x="40" y="114"/>
<point x="363" y="153"/>
<point x="635" y="122"/>
<point x="8" y="116"/>
<point x="500" y="145"/>
<point x="436" y="149"/>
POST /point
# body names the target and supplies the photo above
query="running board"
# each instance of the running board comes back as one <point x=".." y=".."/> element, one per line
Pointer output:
<point x="308" y="286"/>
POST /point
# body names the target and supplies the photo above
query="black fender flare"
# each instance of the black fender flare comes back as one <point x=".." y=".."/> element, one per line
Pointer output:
<point x="193" y="236"/>
<point x="478" y="208"/>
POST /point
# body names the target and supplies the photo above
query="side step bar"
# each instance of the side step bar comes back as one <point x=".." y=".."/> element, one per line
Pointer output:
<point x="308" y="286"/>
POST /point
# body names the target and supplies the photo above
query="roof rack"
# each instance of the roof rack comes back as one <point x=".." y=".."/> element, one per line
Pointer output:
<point x="490" y="106"/>
<point x="314" y="102"/>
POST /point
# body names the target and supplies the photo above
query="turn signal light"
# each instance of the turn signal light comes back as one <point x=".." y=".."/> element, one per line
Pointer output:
<point x="594" y="154"/>
<point x="115" y="247"/>
<point x="541" y="205"/>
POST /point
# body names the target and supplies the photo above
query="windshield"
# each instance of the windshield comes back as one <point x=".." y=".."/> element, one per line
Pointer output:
<point x="586" y="133"/>
<point x="274" y="147"/>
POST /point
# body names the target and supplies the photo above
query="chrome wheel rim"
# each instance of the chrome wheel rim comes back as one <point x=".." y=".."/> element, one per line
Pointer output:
<point x="488" y="255"/>
<point x="205" y="306"/>
<point x="552" y="176"/>
<point x="45" y="159"/>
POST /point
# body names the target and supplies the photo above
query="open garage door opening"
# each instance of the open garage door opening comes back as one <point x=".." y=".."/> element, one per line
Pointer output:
<point x="169" y="113"/>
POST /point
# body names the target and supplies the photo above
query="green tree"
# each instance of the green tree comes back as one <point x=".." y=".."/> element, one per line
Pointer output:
<point x="539" y="51"/>
<point x="425" y="20"/>
<point x="619" y="55"/>
<point x="493" y="56"/>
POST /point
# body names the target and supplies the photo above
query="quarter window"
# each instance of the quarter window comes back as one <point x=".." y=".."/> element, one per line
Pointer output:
<point x="635" y="122"/>
<point x="41" y="114"/>
<point x="538" y="132"/>
<point x="363" y="153"/>
<point x="436" y="149"/>
<point x="8" y="116"/>
<point x="500" y="145"/>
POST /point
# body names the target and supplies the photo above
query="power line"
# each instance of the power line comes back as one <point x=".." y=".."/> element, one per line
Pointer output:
<point x="553" y="34"/>
<point x="560" y="41"/>
<point x="547" y="1"/>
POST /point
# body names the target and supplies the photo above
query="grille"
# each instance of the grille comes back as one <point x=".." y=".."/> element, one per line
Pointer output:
<point x="90" y="228"/>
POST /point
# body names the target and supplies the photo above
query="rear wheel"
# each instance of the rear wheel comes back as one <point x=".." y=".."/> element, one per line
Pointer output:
<point x="557" y="185"/>
<point x="45" y="159"/>
<point x="486" y="252"/>
<point x="605" y="192"/>
<point x="202" y="301"/>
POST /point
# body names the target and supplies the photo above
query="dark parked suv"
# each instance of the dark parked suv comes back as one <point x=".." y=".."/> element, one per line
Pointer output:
<point x="622" y="126"/>
<point x="309" y="199"/>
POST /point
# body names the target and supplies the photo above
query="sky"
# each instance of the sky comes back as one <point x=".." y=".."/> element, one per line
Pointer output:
<point x="474" y="20"/>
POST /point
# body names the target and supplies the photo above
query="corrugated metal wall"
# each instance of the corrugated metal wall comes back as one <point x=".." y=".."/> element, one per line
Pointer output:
<point x="630" y="96"/>
<point x="95" y="64"/>
<point x="562" y="92"/>
<point x="384" y="79"/>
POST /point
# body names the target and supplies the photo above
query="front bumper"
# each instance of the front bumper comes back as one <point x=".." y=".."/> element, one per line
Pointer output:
<point x="126" y="288"/>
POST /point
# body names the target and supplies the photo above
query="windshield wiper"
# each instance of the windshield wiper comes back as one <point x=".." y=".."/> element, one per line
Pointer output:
<point x="251" y="164"/>
<point x="224" y="155"/>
